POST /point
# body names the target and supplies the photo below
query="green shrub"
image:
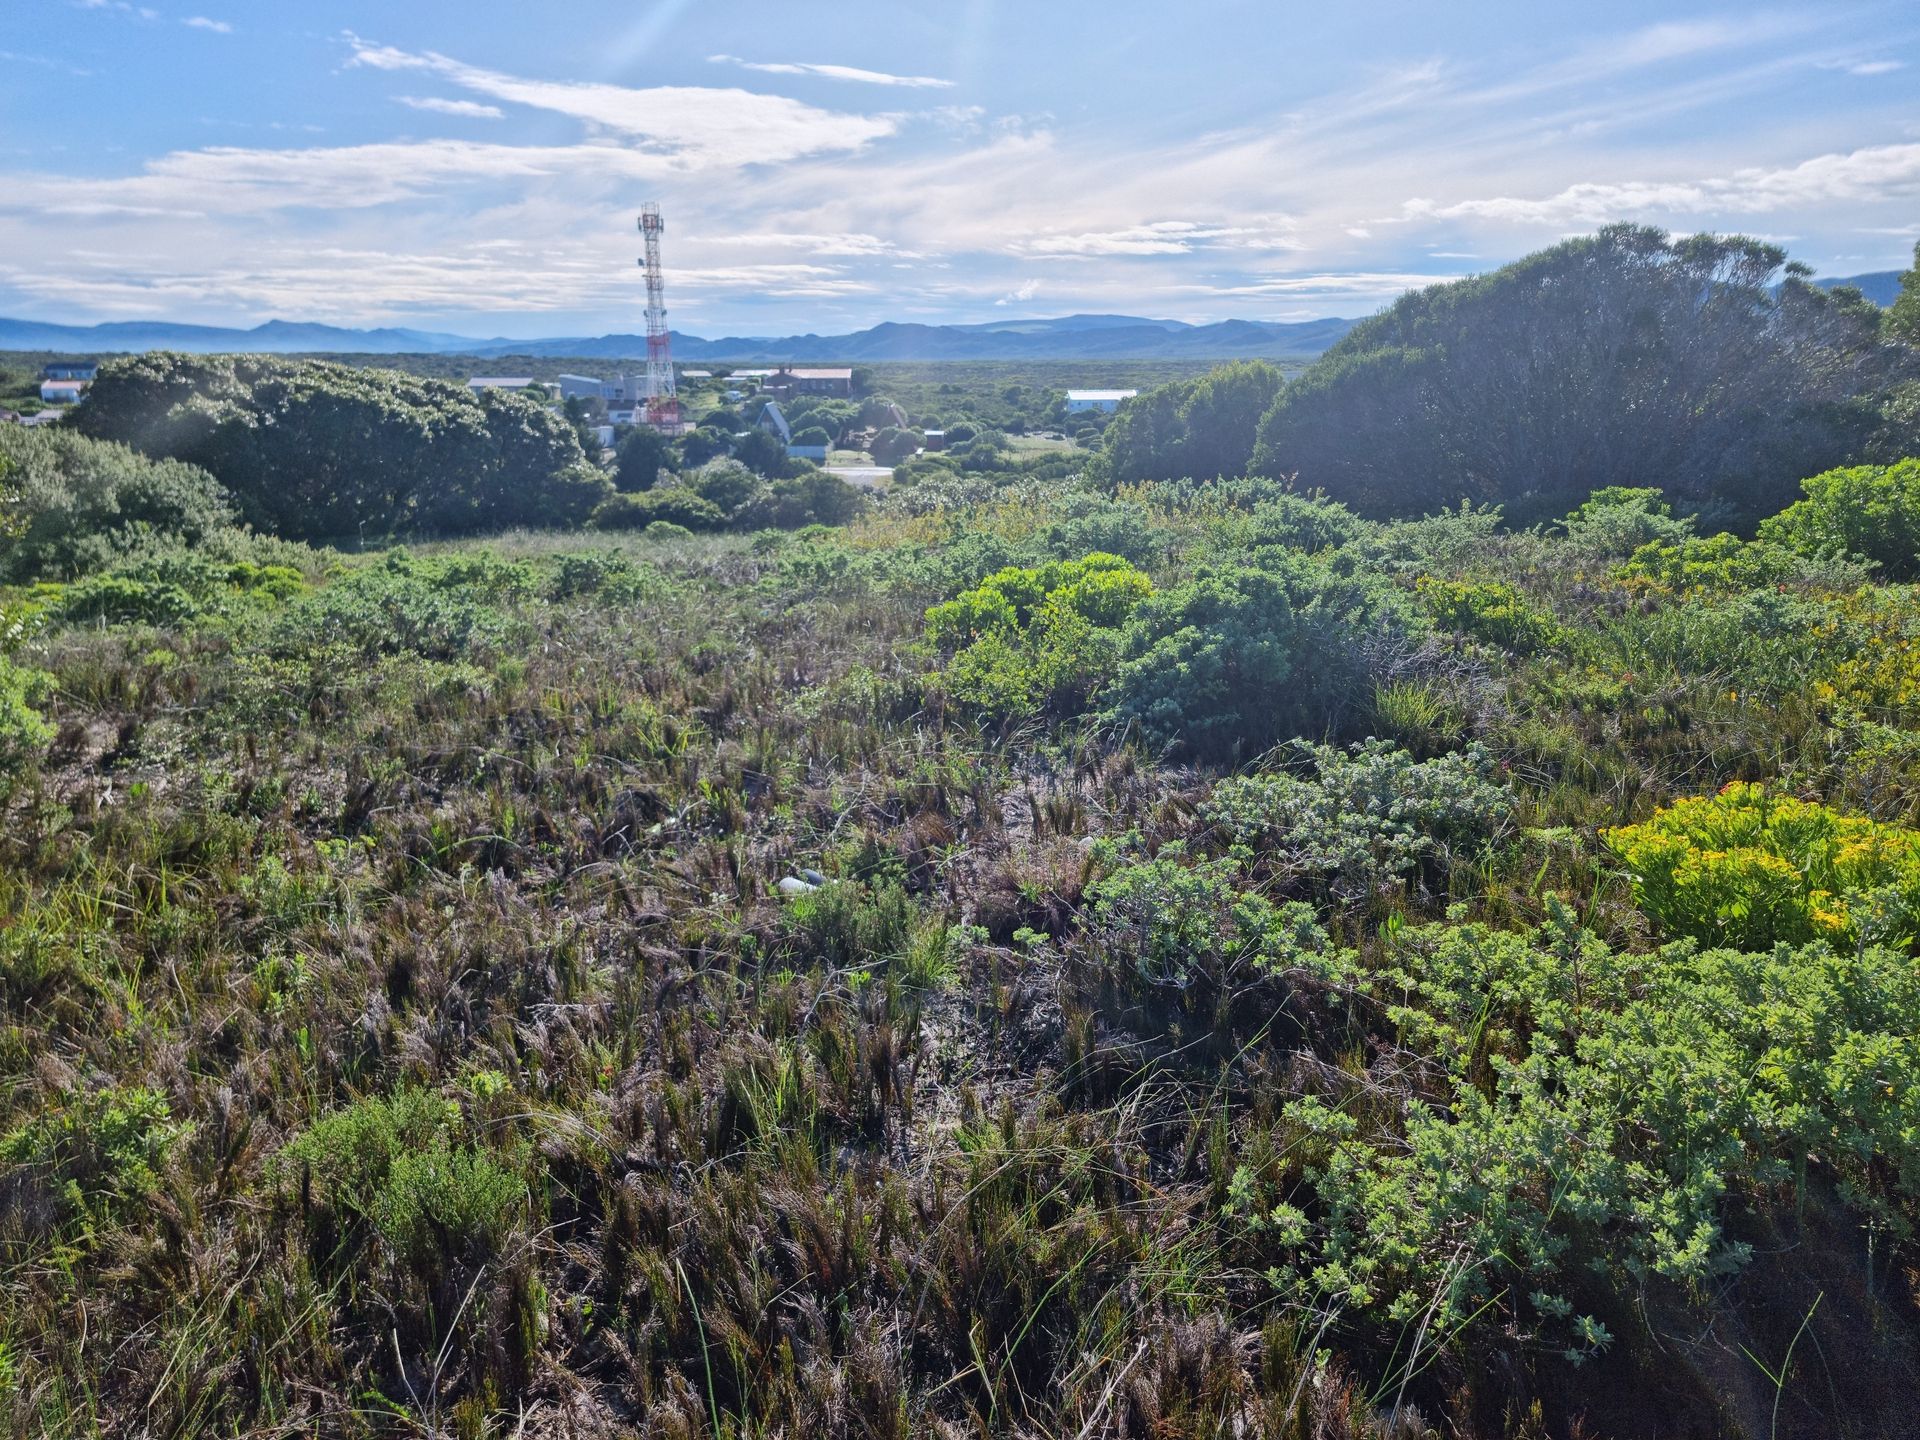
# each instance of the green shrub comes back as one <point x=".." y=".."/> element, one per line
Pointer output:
<point x="395" y="1163"/>
<point x="1597" y="1117"/>
<point x="23" y="732"/>
<point x="1046" y="638"/>
<point x="1752" y="868"/>
<point x="1240" y="657"/>
<point x="1867" y="510"/>
<point x="1619" y="519"/>
<point x="1489" y="610"/>
<point x="1366" y="816"/>
<point x="99" y="1147"/>
<point x="674" y="504"/>
<point x="1181" y="924"/>
<point x="81" y="504"/>
<point x="398" y="607"/>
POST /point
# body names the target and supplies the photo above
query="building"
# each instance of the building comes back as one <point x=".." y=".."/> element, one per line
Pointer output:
<point x="1107" y="400"/>
<point x="71" y="370"/>
<point x="696" y="374"/>
<point x="772" y="418"/>
<point x="621" y="392"/>
<point x="933" y="440"/>
<point x="499" y="382"/>
<point x="63" y="392"/>
<point x="836" y="381"/>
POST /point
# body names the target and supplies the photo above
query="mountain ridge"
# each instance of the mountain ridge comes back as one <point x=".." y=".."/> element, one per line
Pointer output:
<point x="1072" y="337"/>
<point x="1065" y="337"/>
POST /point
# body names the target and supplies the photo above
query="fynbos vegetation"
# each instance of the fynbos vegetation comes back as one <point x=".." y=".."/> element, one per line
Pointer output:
<point x="1060" y="949"/>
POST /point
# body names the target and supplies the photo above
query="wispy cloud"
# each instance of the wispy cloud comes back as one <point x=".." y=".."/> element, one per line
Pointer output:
<point x="698" y="127"/>
<point x="1879" y="172"/>
<point x="834" y="72"/>
<point x="201" y="22"/>
<point x="1160" y="237"/>
<point x="473" y="109"/>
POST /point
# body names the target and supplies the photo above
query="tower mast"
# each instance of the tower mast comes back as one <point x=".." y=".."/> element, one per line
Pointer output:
<point x="663" y="405"/>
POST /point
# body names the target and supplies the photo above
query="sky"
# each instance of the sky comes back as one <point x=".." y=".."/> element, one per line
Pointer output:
<point x="478" y="168"/>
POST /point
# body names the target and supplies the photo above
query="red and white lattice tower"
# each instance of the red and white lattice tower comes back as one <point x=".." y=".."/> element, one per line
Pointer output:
<point x="662" y="404"/>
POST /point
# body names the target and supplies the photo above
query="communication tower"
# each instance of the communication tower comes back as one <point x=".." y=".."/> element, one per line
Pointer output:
<point x="662" y="404"/>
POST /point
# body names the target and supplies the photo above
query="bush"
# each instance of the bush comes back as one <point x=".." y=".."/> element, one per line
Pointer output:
<point x="395" y="1164"/>
<point x="1867" y="510"/>
<point x="1240" y="657"/>
<point x="1046" y="638"/>
<point x="1489" y="610"/>
<point x="644" y="454"/>
<point x="23" y="733"/>
<point x="80" y="504"/>
<point x="311" y="449"/>
<point x="671" y="503"/>
<point x="1365" y="817"/>
<point x="97" y="1148"/>
<point x="1195" y="929"/>
<point x="1620" y="520"/>
<point x="1751" y="868"/>
<point x="892" y="445"/>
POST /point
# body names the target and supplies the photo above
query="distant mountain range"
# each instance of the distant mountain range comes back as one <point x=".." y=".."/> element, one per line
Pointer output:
<point x="1073" y="337"/>
<point x="1070" y="337"/>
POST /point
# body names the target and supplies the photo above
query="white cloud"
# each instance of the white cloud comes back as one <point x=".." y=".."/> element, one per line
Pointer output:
<point x="1876" y="67"/>
<point x="1878" y="172"/>
<point x="1022" y="293"/>
<point x="699" y="127"/>
<point x="470" y="108"/>
<point x="834" y="72"/>
<point x="1160" y="237"/>
<point x="201" y="22"/>
<point x="841" y="244"/>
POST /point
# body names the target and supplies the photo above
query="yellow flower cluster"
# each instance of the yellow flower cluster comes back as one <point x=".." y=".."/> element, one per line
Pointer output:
<point x="1752" y="868"/>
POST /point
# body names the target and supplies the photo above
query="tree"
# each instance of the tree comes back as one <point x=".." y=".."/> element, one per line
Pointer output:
<point x="1621" y="359"/>
<point x="644" y="452"/>
<point x="813" y="437"/>
<point x="1903" y="317"/>
<point x="892" y="445"/>
<point x="761" y="452"/>
<point x="74" y="504"/>
<point x="313" y="450"/>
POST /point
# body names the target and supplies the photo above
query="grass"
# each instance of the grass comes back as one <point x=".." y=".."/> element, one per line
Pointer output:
<point x="413" y="1037"/>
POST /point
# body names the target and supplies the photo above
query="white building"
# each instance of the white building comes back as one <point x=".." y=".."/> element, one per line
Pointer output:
<point x="499" y="382"/>
<point x="1107" y="400"/>
<point x="63" y="392"/>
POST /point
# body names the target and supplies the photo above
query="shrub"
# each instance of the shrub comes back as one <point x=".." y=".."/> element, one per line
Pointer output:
<point x="1720" y="564"/>
<point x="23" y="733"/>
<point x="1045" y="638"/>
<point x="1620" y="519"/>
<point x="1240" y="657"/>
<point x="1365" y="816"/>
<point x="81" y="504"/>
<point x="1185" y="925"/>
<point x="98" y="1146"/>
<point x="1489" y="610"/>
<point x="395" y="1164"/>
<point x="1751" y="868"/>
<point x="1867" y="510"/>
<point x="671" y="503"/>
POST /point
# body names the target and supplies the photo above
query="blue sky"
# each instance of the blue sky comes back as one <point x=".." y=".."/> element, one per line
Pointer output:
<point x="822" y="167"/>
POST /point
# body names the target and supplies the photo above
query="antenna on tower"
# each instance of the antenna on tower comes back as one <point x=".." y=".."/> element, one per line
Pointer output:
<point x="663" y="404"/>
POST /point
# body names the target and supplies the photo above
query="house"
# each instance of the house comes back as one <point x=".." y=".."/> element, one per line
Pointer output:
<point x="772" y="418"/>
<point x="499" y="382"/>
<point x="63" y="392"/>
<point x="71" y="370"/>
<point x="837" y="381"/>
<point x="1107" y="400"/>
<point x="933" y="440"/>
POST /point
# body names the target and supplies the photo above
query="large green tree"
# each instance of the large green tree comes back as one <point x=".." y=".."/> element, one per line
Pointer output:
<point x="314" y="450"/>
<point x="1705" y="366"/>
<point x="1203" y="428"/>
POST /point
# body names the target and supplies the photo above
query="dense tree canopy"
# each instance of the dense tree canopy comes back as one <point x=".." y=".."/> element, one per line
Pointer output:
<point x="71" y="503"/>
<point x="314" y="450"/>
<point x="1202" y="428"/>
<point x="1623" y="358"/>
